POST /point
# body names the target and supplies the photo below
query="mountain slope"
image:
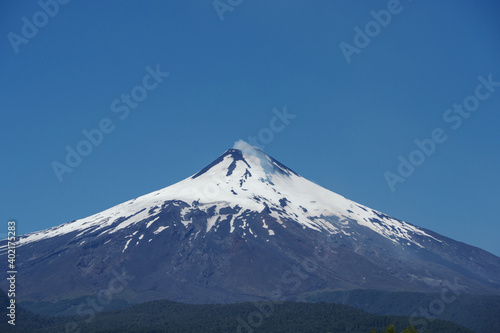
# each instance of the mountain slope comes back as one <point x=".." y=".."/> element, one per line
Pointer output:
<point x="245" y="227"/>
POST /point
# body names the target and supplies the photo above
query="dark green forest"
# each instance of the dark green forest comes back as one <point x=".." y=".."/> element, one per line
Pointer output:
<point x="480" y="313"/>
<point x="166" y="316"/>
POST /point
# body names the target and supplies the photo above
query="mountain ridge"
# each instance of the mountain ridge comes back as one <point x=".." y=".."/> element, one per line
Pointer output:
<point x="236" y="231"/>
<point x="236" y="156"/>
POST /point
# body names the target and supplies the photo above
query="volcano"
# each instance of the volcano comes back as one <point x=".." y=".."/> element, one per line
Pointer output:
<point x="246" y="227"/>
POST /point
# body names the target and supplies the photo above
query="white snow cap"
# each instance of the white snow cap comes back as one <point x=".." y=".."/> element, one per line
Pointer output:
<point x="253" y="183"/>
<point x="248" y="149"/>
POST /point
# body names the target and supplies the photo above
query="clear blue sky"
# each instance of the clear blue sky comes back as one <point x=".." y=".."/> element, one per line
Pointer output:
<point x="352" y="121"/>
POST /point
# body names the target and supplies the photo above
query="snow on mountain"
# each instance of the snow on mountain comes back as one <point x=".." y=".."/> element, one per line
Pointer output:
<point x="237" y="230"/>
<point x="253" y="181"/>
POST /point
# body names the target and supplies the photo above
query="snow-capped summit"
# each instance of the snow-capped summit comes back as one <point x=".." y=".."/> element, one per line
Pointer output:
<point x="230" y="231"/>
<point x="248" y="178"/>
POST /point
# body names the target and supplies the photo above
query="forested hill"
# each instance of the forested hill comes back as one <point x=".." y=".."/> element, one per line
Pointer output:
<point x="166" y="316"/>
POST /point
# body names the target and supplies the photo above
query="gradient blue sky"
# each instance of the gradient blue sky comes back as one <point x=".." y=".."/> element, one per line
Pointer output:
<point x="353" y="120"/>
